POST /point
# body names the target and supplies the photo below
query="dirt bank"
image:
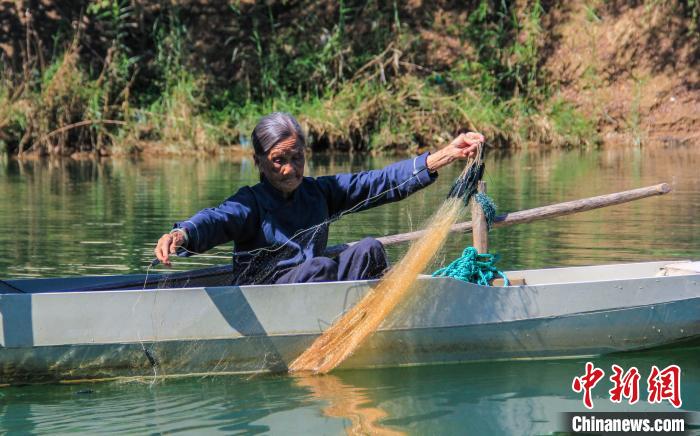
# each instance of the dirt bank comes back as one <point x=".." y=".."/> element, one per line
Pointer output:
<point x="632" y="66"/>
<point x="130" y="76"/>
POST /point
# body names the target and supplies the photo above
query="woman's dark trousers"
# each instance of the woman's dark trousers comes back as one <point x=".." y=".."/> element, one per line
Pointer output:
<point x="365" y="260"/>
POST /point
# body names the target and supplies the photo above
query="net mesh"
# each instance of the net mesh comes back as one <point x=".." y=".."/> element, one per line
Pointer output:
<point x="344" y="336"/>
<point x="339" y="341"/>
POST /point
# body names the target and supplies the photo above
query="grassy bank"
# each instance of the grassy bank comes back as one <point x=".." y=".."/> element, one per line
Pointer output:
<point x="360" y="76"/>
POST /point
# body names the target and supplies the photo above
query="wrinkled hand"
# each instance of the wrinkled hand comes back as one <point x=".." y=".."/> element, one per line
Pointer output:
<point x="167" y="245"/>
<point x="462" y="147"/>
<point x="465" y="145"/>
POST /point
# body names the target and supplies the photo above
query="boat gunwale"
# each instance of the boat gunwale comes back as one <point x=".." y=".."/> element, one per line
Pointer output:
<point x="116" y="287"/>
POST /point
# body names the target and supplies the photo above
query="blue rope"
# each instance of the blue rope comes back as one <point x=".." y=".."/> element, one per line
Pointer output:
<point x="488" y="206"/>
<point x="473" y="267"/>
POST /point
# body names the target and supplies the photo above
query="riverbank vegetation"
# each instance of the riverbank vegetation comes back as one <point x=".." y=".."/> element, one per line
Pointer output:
<point x="119" y="76"/>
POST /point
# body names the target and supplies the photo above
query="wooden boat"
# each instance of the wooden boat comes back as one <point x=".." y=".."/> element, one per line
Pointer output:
<point x="182" y="323"/>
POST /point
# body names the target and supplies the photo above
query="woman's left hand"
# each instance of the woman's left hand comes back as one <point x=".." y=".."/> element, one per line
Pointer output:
<point x="462" y="147"/>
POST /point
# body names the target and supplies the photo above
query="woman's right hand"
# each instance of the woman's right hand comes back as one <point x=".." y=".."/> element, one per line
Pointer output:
<point x="167" y="245"/>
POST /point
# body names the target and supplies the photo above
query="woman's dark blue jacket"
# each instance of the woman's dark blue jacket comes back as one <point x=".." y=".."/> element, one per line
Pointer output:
<point x="272" y="234"/>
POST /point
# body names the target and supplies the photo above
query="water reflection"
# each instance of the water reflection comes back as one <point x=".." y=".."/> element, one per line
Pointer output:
<point x="349" y="402"/>
<point x="517" y="397"/>
<point x="65" y="217"/>
<point x="525" y="397"/>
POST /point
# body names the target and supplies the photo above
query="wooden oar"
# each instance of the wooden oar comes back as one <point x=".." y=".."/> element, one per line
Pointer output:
<point x="507" y="219"/>
<point x="529" y="215"/>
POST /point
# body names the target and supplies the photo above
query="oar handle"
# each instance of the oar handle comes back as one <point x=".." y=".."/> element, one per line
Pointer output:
<point x="523" y="216"/>
<point x="529" y="215"/>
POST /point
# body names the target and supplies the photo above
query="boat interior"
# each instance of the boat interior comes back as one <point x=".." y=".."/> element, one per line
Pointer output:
<point x="221" y="276"/>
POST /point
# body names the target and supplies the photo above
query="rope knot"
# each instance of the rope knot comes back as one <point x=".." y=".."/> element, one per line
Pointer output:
<point x="473" y="267"/>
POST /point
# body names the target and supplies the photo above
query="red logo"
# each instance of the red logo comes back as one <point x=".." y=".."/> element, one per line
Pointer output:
<point x="625" y="386"/>
<point x="587" y="382"/>
<point x="662" y="384"/>
<point x="665" y="385"/>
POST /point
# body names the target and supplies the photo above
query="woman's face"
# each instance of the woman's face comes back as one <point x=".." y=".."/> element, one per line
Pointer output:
<point x="283" y="166"/>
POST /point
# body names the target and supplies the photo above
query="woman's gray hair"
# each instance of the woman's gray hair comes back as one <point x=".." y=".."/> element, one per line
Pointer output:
<point x="272" y="129"/>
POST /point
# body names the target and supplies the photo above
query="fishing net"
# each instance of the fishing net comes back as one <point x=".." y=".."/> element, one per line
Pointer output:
<point x="155" y="354"/>
<point x="345" y="335"/>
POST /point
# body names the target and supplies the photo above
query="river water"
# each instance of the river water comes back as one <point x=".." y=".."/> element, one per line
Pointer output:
<point x="65" y="217"/>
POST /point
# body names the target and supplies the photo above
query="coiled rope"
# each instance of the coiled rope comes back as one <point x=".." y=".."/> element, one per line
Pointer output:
<point x="473" y="267"/>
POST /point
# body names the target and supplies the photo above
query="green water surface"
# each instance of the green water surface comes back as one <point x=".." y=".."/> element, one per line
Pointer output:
<point x="65" y="217"/>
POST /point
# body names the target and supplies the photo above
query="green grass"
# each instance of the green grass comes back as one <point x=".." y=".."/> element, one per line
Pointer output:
<point x="571" y="125"/>
<point x="333" y="85"/>
<point x="634" y="122"/>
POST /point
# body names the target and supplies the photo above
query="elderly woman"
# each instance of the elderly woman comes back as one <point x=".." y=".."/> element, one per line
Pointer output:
<point x="280" y="226"/>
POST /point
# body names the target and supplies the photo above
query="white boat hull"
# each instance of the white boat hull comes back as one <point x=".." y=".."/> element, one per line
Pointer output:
<point x="565" y="312"/>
